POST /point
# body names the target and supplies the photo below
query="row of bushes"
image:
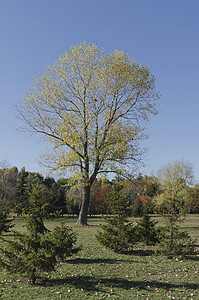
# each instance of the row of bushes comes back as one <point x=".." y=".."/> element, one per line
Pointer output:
<point x="121" y="236"/>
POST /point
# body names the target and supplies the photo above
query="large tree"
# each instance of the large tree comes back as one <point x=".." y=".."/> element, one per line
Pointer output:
<point x="92" y="107"/>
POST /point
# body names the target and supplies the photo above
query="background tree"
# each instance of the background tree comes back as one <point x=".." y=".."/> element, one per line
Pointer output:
<point x="57" y="201"/>
<point x="134" y="189"/>
<point x="176" y="179"/>
<point x="193" y="200"/>
<point x="91" y="107"/>
<point x="99" y="192"/>
<point x="4" y="164"/>
<point x="21" y="195"/>
<point x="141" y="191"/>
<point x="8" y="181"/>
<point x="73" y="197"/>
<point x="151" y="188"/>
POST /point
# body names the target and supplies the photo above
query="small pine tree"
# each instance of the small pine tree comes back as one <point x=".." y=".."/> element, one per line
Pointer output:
<point x="26" y="254"/>
<point x="36" y="211"/>
<point x="118" y="234"/>
<point x="174" y="242"/>
<point x="146" y="230"/>
<point x="38" y="250"/>
<point x="5" y="223"/>
<point x="62" y="242"/>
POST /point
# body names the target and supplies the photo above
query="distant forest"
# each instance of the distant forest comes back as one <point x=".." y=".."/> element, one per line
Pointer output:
<point x="64" y="195"/>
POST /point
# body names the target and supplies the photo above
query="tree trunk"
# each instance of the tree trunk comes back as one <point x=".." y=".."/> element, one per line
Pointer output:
<point x="82" y="219"/>
<point x="33" y="277"/>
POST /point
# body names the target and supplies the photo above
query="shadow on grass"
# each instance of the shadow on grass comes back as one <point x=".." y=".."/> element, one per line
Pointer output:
<point x="78" y="261"/>
<point x="137" y="252"/>
<point x="140" y="252"/>
<point x="194" y="256"/>
<point x="98" y="284"/>
<point x="188" y="228"/>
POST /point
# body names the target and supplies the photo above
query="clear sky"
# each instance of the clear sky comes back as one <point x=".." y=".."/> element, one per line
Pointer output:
<point x="163" y="34"/>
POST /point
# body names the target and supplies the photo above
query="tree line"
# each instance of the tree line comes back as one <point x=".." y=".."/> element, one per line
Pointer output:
<point x="65" y="195"/>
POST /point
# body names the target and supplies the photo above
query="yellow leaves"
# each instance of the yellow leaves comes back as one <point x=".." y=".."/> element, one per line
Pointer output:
<point x="175" y="179"/>
<point x="88" y="104"/>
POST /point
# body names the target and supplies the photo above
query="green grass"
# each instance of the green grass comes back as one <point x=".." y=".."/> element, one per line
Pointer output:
<point x="98" y="273"/>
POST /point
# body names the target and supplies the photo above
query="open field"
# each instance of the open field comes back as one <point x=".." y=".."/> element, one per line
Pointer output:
<point x="98" y="273"/>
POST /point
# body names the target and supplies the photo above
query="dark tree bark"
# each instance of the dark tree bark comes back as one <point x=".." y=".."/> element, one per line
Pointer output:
<point x="82" y="219"/>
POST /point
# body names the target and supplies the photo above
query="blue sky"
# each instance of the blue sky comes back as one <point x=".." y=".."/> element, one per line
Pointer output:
<point x="162" y="34"/>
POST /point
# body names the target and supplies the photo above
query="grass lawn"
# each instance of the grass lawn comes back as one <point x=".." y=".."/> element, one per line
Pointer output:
<point x="98" y="273"/>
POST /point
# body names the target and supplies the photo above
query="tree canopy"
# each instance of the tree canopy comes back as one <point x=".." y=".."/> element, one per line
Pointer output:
<point x="92" y="107"/>
<point x="176" y="179"/>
